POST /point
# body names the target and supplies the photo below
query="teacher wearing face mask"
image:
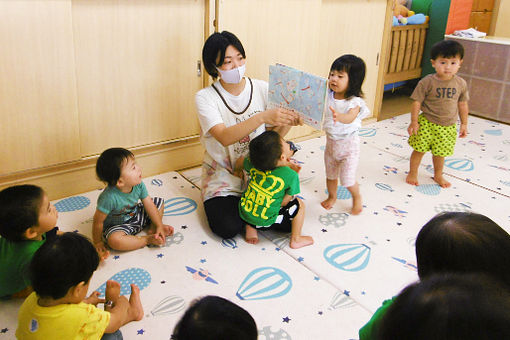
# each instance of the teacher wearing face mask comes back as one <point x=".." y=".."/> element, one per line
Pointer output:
<point x="232" y="111"/>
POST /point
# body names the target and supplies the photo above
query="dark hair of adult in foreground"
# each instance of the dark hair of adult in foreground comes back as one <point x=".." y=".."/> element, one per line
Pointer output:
<point x="463" y="242"/>
<point x="449" y="307"/>
<point x="213" y="318"/>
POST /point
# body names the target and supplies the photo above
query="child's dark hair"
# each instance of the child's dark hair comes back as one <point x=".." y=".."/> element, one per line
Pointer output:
<point x="215" y="46"/>
<point x="62" y="263"/>
<point x="213" y="317"/>
<point x="463" y="242"/>
<point x="447" y="49"/>
<point x="265" y="150"/>
<point x="449" y="307"/>
<point x="19" y="210"/>
<point x="355" y="69"/>
<point x="109" y="164"/>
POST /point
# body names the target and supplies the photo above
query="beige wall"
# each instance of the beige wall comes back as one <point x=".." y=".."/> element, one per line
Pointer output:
<point x="502" y="24"/>
<point x="308" y="35"/>
<point x="79" y="76"/>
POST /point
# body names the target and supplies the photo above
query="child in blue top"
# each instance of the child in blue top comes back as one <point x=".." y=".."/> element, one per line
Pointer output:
<point x="27" y="220"/>
<point x="347" y="107"/>
<point x="119" y="215"/>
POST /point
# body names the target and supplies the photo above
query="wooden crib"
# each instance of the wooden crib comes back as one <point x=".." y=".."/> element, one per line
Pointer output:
<point x="405" y="53"/>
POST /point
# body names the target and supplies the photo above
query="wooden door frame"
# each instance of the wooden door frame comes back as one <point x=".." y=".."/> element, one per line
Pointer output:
<point x="383" y="55"/>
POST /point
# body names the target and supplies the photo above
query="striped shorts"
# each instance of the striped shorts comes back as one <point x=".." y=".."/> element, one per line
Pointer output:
<point x="136" y="223"/>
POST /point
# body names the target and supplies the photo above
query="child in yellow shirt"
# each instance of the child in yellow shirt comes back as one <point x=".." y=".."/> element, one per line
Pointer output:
<point x="60" y="272"/>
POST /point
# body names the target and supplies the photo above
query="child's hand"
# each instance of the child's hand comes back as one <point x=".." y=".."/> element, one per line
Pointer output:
<point x="294" y="165"/>
<point x="463" y="131"/>
<point x="413" y="128"/>
<point x="102" y="251"/>
<point x="335" y="114"/>
<point x="94" y="299"/>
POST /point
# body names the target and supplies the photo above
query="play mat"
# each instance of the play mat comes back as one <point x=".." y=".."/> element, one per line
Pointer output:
<point x="325" y="291"/>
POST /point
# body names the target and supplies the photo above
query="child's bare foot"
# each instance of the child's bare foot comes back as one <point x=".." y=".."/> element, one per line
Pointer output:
<point x="112" y="291"/>
<point x="155" y="240"/>
<point x="136" y="308"/>
<point x="251" y="235"/>
<point x="168" y="230"/>
<point x="412" y="179"/>
<point x="300" y="242"/>
<point x="357" y="206"/>
<point x="439" y="179"/>
<point x="328" y="203"/>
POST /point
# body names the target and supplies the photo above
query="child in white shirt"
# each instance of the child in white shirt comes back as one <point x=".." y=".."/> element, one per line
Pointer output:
<point x="341" y="126"/>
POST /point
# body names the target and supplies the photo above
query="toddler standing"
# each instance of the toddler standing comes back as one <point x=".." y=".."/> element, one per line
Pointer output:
<point x="119" y="216"/>
<point x="347" y="108"/>
<point x="441" y="97"/>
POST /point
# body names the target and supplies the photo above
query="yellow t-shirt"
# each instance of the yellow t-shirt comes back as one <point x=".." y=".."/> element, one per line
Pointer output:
<point x="66" y="321"/>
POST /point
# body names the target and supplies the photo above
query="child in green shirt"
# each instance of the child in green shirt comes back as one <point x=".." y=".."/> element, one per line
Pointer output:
<point x="269" y="202"/>
<point x="27" y="220"/>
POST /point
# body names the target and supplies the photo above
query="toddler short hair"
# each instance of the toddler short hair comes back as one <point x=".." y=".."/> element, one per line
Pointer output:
<point x="62" y="263"/>
<point x="355" y="68"/>
<point x="265" y="150"/>
<point x="109" y="164"/>
<point x="213" y="317"/>
<point x="447" y="49"/>
<point x="19" y="210"/>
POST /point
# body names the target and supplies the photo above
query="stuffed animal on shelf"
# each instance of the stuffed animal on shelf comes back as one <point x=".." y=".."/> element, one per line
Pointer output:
<point x="399" y="9"/>
<point x="403" y="16"/>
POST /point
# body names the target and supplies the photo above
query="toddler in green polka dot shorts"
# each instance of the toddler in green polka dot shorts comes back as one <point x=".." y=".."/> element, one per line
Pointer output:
<point x="440" y="97"/>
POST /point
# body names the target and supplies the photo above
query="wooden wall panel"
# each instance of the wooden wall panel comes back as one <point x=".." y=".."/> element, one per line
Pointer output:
<point x="38" y="103"/>
<point x="306" y="34"/>
<point x="137" y="70"/>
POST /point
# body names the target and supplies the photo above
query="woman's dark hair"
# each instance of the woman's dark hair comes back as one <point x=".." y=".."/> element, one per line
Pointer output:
<point x="265" y="150"/>
<point x="355" y="69"/>
<point x="463" y="242"/>
<point x="61" y="263"/>
<point x="214" y="50"/>
<point x="19" y="210"/>
<point x="212" y="318"/>
<point x="449" y="307"/>
<point x="109" y="164"/>
<point x="447" y="49"/>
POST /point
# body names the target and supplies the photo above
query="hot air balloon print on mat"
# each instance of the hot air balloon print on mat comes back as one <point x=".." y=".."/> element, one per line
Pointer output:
<point x="340" y="300"/>
<point x="170" y="305"/>
<point x="138" y="276"/>
<point x="179" y="206"/>
<point x="348" y="257"/>
<point x="264" y="283"/>
<point x="72" y="204"/>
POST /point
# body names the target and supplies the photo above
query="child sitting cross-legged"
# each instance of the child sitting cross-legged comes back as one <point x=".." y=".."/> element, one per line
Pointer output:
<point x="119" y="215"/>
<point x="60" y="272"/>
<point x="269" y="202"/>
<point x="27" y="220"/>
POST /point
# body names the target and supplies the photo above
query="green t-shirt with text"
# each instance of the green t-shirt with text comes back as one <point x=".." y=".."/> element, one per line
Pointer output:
<point x="261" y="202"/>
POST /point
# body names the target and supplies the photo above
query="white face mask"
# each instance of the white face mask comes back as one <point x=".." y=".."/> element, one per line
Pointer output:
<point x="234" y="75"/>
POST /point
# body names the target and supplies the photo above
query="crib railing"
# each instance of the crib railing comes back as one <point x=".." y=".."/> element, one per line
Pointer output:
<point x="405" y="53"/>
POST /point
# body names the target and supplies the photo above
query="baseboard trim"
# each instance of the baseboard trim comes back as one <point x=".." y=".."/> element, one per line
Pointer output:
<point x="79" y="176"/>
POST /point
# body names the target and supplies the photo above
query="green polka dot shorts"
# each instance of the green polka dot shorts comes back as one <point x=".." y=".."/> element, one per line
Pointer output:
<point x="438" y="139"/>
